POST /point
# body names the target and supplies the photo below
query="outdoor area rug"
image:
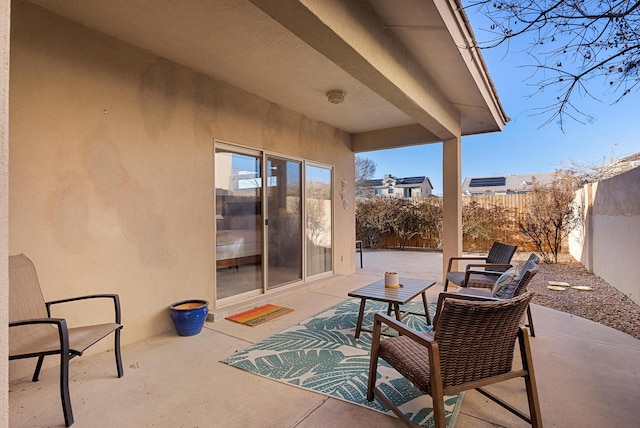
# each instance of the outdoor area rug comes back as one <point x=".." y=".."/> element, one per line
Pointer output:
<point x="321" y="354"/>
<point x="259" y="315"/>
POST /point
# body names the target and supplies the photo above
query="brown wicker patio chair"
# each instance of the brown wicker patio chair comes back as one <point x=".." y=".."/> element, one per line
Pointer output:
<point x="33" y="333"/>
<point x="471" y="346"/>
<point x="512" y="288"/>
<point x="482" y="275"/>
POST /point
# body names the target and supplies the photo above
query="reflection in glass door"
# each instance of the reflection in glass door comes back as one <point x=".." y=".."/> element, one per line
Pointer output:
<point x="318" y="208"/>
<point x="284" y="221"/>
<point x="267" y="235"/>
<point x="239" y="233"/>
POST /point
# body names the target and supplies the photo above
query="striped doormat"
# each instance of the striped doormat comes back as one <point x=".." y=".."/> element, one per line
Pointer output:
<point x="259" y="315"/>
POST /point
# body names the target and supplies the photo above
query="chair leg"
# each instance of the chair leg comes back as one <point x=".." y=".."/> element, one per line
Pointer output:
<point x="437" y="392"/>
<point x="401" y="416"/>
<point x="504" y="404"/>
<point x="36" y="373"/>
<point x="371" y="382"/>
<point x="446" y="284"/>
<point x="118" y="355"/>
<point x="534" y="403"/>
<point x="530" y="321"/>
<point x="64" y="389"/>
<point x="373" y="363"/>
<point x="372" y="391"/>
<point x="438" y="411"/>
<point x="530" y="379"/>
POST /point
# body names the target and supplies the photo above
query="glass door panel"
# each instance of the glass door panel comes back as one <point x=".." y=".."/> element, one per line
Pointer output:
<point x="239" y="232"/>
<point x="284" y="221"/>
<point x="318" y="209"/>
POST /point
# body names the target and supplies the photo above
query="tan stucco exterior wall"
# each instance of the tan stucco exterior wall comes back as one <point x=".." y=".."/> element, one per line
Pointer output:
<point x="112" y="168"/>
<point x="4" y="208"/>
<point x="452" y="203"/>
<point x="608" y="243"/>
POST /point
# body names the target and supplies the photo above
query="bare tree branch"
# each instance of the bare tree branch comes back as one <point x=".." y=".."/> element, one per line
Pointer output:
<point x="578" y="46"/>
<point x="364" y="169"/>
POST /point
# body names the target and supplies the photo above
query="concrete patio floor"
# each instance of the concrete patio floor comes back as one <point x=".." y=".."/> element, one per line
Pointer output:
<point x="588" y="375"/>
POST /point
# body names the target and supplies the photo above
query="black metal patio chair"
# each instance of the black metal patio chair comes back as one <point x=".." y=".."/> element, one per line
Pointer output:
<point x="34" y="333"/>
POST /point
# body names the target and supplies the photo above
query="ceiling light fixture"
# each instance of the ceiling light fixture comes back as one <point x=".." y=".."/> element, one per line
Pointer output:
<point x="336" y="96"/>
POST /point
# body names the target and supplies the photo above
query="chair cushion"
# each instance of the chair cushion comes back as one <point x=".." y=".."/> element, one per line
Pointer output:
<point x="456" y="277"/>
<point x="481" y="281"/>
<point x="475" y="280"/>
<point x="409" y="358"/>
<point x="499" y="287"/>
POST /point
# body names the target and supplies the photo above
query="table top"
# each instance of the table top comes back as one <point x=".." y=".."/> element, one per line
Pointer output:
<point x="408" y="290"/>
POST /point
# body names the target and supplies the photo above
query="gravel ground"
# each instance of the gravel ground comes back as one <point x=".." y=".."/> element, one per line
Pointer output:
<point x="605" y="304"/>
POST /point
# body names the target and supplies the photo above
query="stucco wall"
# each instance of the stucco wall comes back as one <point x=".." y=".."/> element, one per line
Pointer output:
<point x="608" y="244"/>
<point x="4" y="208"/>
<point x="111" y="170"/>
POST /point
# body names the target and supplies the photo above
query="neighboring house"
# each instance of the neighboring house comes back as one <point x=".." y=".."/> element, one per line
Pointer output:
<point x="504" y="184"/>
<point x="407" y="187"/>
<point x="165" y="150"/>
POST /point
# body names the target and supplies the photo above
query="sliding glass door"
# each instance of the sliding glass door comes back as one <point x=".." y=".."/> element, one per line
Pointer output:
<point x="318" y="206"/>
<point x="273" y="221"/>
<point x="239" y="233"/>
<point x="284" y="221"/>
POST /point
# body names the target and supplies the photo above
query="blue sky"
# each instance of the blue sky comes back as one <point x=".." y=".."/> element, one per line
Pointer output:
<point x="524" y="145"/>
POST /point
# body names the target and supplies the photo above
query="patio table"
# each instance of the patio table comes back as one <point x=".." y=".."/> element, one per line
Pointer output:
<point x="409" y="289"/>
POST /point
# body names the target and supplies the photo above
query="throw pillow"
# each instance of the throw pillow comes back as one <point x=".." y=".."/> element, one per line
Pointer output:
<point x="499" y="288"/>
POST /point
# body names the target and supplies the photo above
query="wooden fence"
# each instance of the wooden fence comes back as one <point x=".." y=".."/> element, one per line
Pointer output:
<point x="514" y="207"/>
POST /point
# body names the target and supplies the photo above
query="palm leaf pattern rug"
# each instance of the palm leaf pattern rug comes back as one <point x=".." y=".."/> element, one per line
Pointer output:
<point x="321" y="354"/>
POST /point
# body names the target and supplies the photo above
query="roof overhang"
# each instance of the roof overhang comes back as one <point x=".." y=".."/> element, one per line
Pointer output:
<point x="409" y="69"/>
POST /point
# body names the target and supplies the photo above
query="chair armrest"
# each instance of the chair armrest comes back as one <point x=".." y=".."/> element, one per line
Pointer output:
<point x="401" y="328"/>
<point x="470" y="272"/>
<point x="486" y="265"/>
<point x="451" y="259"/>
<point x="484" y="272"/>
<point x="115" y="297"/>
<point x="57" y="321"/>
<point x="61" y="325"/>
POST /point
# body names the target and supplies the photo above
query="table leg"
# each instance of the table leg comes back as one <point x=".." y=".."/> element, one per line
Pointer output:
<point x="426" y="307"/>
<point x="396" y="307"/>
<point x="360" y="317"/>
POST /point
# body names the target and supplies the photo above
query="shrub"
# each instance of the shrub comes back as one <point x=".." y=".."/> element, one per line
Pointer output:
<point x="405" y="220"/>
<point x="372" y="220"/>
<point x="551" y="215"/>
<point x="430" y="210"/>
<point x="482" y="224"/>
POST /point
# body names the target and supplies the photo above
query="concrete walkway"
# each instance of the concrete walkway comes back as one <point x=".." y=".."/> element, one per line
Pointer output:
<point x="588" y="375"/>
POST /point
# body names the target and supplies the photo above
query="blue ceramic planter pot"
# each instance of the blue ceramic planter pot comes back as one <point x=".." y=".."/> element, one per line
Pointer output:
<point x="188" y="316"/>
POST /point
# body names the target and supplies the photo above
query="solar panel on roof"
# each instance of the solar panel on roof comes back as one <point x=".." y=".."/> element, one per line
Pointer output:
<point x="488" y="182"/>
<point x="410" y="180"/>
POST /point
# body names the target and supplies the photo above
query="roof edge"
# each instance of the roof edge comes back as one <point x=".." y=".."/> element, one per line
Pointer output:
<point x="466" y="31"/>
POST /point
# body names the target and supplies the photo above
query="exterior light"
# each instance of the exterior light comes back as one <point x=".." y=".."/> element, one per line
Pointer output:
<point x="336" y="96"/>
